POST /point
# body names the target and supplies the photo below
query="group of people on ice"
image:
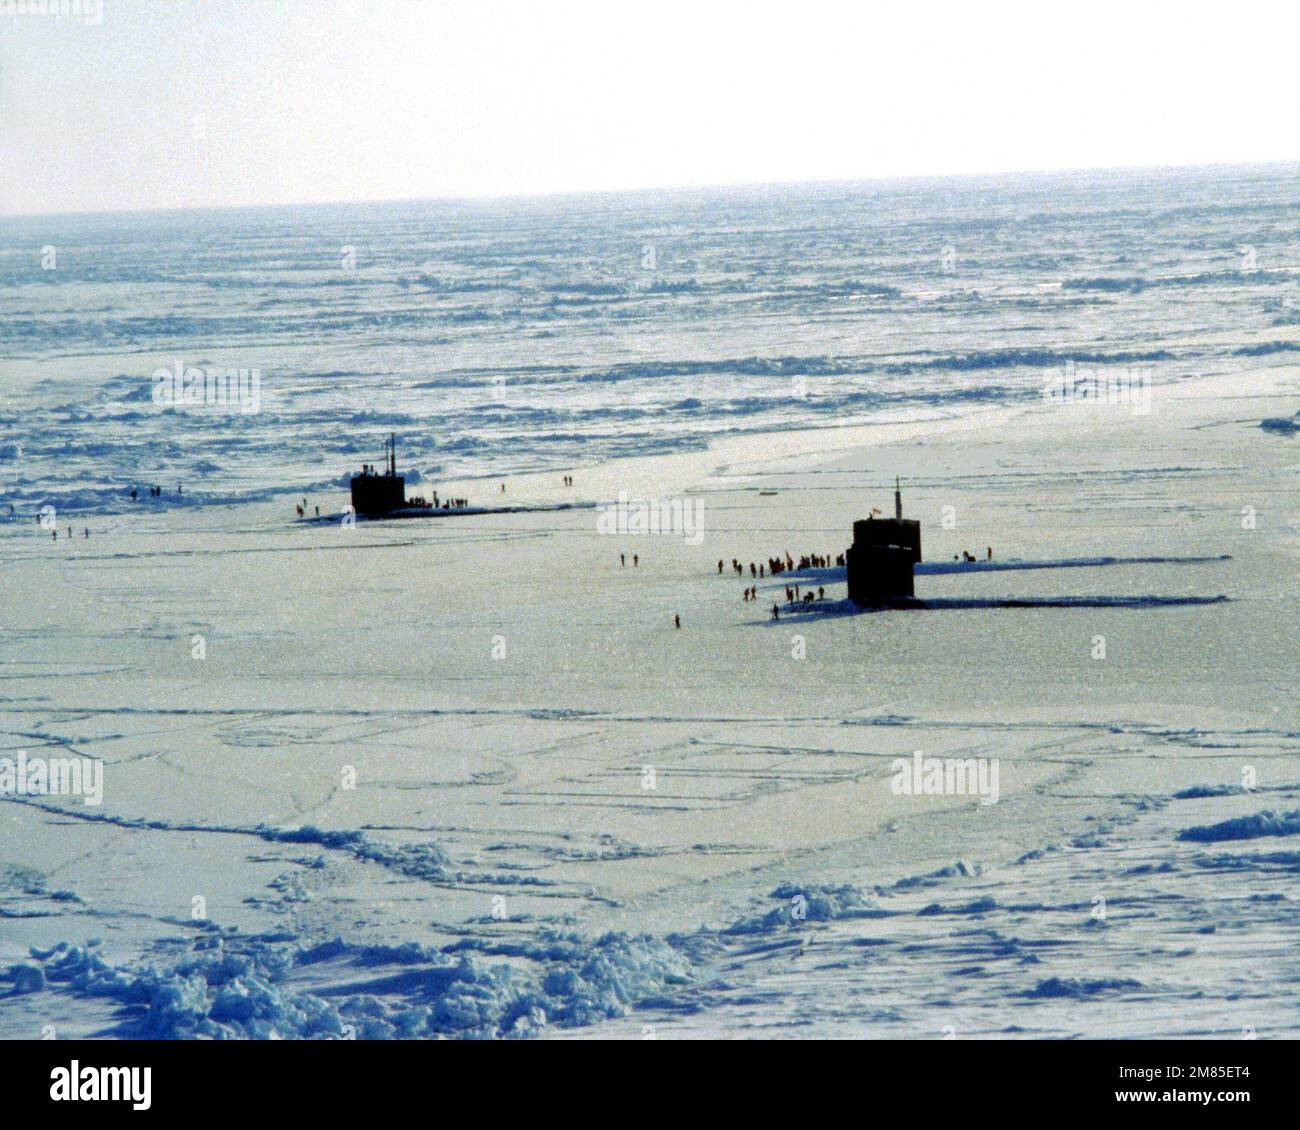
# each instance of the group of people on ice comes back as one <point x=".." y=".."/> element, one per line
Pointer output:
<point x="778" y="565"/>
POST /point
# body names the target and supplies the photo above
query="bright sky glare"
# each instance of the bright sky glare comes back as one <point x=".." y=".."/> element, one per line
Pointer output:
<point x="227" y="102"/>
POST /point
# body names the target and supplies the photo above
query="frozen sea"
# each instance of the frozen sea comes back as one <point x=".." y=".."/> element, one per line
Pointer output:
<point x="521" y="335"/>
<point x="464" y="777"/>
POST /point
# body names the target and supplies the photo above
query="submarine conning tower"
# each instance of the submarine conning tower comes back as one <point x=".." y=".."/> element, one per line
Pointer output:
<point x="882" y="555"/>
<point x="375" y="492"/>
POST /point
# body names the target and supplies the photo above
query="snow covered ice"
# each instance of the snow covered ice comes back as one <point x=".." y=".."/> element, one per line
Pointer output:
<point x="464" y="777"/>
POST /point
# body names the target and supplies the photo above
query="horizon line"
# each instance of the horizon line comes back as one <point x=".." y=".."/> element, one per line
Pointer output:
<point x="715" y="187"/>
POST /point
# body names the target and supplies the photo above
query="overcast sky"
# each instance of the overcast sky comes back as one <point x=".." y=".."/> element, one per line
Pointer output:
<point x="218" y="102"/>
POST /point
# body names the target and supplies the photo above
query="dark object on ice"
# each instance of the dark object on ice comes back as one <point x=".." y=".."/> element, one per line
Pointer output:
<point x="1282" y="425"/>
<point x="376" y="493"/>
<point x="881" y="557"/>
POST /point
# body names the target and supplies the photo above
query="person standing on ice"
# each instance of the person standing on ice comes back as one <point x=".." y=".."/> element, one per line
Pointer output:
<point x="622" y="561"/>
<point x="635" y="561"/>
<point x="776" y="612"/>
<point x="677" y="621"/>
